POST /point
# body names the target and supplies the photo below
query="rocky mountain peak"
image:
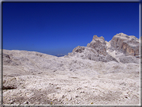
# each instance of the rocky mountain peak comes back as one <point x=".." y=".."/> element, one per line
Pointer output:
<point x="129" y="45"/>
<point x="100" y="39"/>
<point x="125" y="36"/>
<point x="95" y="50"/>
<point x="116" y="49"/>
<point x="121" y="34"/>
<point x="95" y="37"/>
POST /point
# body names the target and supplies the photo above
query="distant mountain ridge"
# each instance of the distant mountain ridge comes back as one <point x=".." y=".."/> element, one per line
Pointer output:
<point x="122" y="48"/>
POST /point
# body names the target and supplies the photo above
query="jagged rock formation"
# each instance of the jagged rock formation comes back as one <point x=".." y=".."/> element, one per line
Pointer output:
<point x="79" y="49"/>
<point x="89" y="75"/>
<point x="124" y="48"/>
<point x="99" y="45"/>
<point x="96" y="50"/>
<point x="121" y="48"/>
<point x="129" y="45"/>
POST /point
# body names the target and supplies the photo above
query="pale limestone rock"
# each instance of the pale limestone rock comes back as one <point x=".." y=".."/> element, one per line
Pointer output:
<point x="45" y="79"/>
<point x="129" y="45"/>
<point x="96" y="50"/>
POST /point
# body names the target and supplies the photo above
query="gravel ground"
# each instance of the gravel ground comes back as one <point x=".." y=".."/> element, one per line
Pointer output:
<point x="32" y="78"/>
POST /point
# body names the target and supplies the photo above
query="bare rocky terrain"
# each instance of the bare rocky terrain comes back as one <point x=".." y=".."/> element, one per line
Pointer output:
<point x="98" y="74"/>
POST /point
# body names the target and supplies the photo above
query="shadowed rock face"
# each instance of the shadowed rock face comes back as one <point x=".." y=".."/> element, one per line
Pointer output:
<point x="129" y="45"/>
<point x="100" y="50"/>
<point x="7" y="59"/>
<point x="95" y="50"/>
<point x="79" y="49"/>
<point x="98" y="43"/>
<point x="128" y="59"/>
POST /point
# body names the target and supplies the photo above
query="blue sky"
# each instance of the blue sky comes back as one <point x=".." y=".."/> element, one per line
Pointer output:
<point x="57" y="28"/>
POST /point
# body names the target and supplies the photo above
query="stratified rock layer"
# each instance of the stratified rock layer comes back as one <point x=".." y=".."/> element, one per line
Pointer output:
<point x="122" y="48"/>
<point x="129" y="45"/>
<point x="95" y="50"/>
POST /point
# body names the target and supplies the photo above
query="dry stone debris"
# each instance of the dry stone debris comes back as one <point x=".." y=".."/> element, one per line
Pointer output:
<point x="96" y="74"/>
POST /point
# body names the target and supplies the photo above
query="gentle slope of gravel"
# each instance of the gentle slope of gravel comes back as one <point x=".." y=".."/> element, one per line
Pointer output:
<point x="36" y="78"/>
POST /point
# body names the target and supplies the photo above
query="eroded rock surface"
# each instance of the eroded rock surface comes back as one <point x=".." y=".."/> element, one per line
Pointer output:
<point x="79" y="78"/>
<point x="122" y="48"/>
<point x="95" y="50"/>
<point x="129" y="45"/>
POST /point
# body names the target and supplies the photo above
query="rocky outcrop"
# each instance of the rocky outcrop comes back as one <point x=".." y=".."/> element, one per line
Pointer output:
<point x="129" y="45"/>
<point x="98" y="44"/>
<point x="95" y="50"/>
<point x="79" y="49"/>
<point x="122" y="48"/>
<point x="7" y="59"/>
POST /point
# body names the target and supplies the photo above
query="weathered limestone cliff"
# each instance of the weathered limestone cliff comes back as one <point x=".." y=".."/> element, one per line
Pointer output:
<point x="129" y="45"/>
<point x="95" y="50"/>
<point x="122" y="48"/>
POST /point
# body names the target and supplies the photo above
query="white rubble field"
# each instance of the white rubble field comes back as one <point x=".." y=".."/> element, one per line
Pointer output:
<point x="45" y="79"/>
